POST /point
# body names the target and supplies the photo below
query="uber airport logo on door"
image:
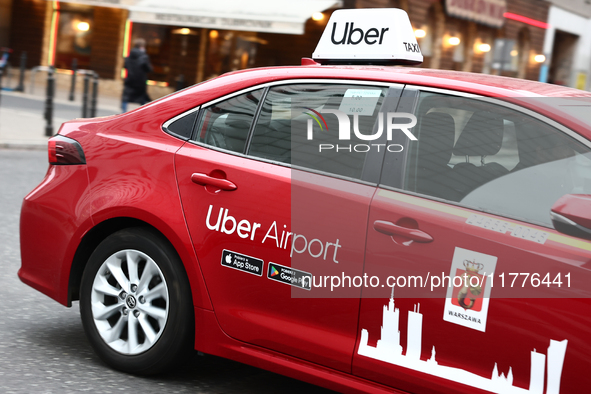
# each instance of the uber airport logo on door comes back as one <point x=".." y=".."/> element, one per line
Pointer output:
<point x="290" y="276"/>
<point x="242" y="262"/>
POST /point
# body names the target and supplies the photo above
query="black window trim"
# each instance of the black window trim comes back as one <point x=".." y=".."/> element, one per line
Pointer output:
<point x="255" y="120"/>
<point x="398" y="159"/>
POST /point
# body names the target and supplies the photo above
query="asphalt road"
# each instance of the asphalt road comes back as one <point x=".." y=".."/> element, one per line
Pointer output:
<point x="43" y="348"/>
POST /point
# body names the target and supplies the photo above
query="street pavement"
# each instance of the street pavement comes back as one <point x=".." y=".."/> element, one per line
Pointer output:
<point x="22" y="121"/>
<point x="43" y="348"/>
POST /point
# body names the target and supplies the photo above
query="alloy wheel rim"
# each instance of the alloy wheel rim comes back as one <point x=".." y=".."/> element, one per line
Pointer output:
<point x="129" y="302"/>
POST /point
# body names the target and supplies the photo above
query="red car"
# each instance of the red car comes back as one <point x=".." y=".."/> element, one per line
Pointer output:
<point x="363" y="228"/>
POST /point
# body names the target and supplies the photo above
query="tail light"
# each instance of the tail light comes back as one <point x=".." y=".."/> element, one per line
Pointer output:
<point x="65" y="151"/>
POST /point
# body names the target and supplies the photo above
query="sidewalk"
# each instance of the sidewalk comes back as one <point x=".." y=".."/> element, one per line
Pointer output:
<point x="22" y="122"/>
<point x="23" y="127"/>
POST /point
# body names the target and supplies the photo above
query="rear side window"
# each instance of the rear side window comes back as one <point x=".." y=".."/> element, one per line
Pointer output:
<point x="296" y="127"/>
<point x="183" y="126"/>
<point x="226" y="124"/>
<point x="493" y="158"/>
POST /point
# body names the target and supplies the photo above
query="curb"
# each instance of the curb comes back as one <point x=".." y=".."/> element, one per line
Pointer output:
<point x="24" y="145"/>
<point x="76" y="103"/>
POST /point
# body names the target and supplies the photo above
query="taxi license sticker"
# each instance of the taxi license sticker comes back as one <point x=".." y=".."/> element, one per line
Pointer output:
<point x="242" y="262"/>
<point x="290" y="276"/>
<point x="360" y="102"/>
<point x="501" y="226"/>
<point x="468" y="294"/>
<point x="488" y="223"/>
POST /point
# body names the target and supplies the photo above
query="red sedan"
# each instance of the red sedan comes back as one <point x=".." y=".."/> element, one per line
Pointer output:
<point x="363" y="228"/>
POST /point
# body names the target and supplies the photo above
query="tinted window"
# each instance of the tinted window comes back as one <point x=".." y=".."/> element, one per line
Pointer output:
<point x="226" y="124"/>
<point x="493" y="158"/>
<point x="183" y="127"/>
<point x="293" y="126"/>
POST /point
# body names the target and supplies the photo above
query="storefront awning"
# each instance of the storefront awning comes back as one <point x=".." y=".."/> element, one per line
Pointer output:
<point x="275" y="16"/>
<point x="486" y="12"/>
<point x="103" y="3"/>
<point x="271" y="16"/>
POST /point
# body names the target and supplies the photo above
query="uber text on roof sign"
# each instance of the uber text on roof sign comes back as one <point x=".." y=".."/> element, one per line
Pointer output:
<point x="370" y="36"/>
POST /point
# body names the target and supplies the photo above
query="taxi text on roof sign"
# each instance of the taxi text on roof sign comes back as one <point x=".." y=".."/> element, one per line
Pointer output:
<point x="368" y="36"/>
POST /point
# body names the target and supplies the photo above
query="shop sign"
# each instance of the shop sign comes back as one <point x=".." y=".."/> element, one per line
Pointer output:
<point x="505" y="54"/>
<point x="215" y="22"/>
<point x="486" y="12"/>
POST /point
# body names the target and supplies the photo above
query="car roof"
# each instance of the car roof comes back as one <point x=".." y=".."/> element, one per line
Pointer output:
<point x="483" y="84"/>
<point x="517" y="91"/>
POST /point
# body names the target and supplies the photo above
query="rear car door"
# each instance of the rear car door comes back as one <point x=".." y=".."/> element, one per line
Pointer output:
<point x="268" y="212"/>
<point x="481" y="293"/>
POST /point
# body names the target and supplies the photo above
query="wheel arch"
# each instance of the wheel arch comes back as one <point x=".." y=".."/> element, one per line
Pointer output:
<point x="89" y="243"/>
<point x="103" y="229"/>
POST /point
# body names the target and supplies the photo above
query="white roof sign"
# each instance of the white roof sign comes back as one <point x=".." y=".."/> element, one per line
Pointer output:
<point x="368" y="36"/>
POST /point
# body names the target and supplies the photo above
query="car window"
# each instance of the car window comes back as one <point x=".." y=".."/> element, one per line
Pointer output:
<point x="226" y="124"/>
<point x="183" y="126"/>
<point x="295" y="126"/>
<point x="493" y="158"/>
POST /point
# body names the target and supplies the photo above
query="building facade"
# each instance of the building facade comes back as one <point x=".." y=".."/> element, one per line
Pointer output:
<point x="568" y="44"/>
<point x="487" y="36"/>
<point x="189" y="44"/>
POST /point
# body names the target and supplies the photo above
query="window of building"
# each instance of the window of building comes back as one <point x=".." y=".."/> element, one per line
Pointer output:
<point x="563" y="55"/>
<point x="74" y="36"/>
<point x="494" y="159"/>
<point x="173" y="52"/>
<point x="158" y="43"/>
<point x="229" y="50"/>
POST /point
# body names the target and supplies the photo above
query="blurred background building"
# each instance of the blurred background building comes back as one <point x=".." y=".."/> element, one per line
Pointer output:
<point x="191" y="41"/>
<point x="568" y="44"/>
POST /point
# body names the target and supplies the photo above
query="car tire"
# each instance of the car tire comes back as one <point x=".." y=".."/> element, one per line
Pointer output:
<point x="135" y="303"/>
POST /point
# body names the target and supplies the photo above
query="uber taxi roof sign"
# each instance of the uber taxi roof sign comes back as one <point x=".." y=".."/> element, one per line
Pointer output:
<point x="368" y="36"/>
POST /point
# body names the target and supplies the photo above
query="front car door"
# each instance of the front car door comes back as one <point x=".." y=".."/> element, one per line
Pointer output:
<point x="481" y="292"/>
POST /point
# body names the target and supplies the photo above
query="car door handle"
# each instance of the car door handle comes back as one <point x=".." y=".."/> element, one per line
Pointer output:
<point x="390" y="228"/>
<point x="204" y="179"/>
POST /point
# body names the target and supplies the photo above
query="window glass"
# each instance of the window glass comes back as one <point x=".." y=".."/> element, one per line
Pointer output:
<point x="226" y="124"/>
<point x="74" y="36"/>
<point x="296" y="126"/>
<point x="492" y="158"/>
<point x="183" y="127"/>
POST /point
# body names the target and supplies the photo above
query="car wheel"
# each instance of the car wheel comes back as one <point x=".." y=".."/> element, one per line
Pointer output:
<point x="135" y="303"/>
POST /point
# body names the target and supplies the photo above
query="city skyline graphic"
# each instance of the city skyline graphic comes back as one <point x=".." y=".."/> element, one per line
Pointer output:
<point x="388" y="349"/>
